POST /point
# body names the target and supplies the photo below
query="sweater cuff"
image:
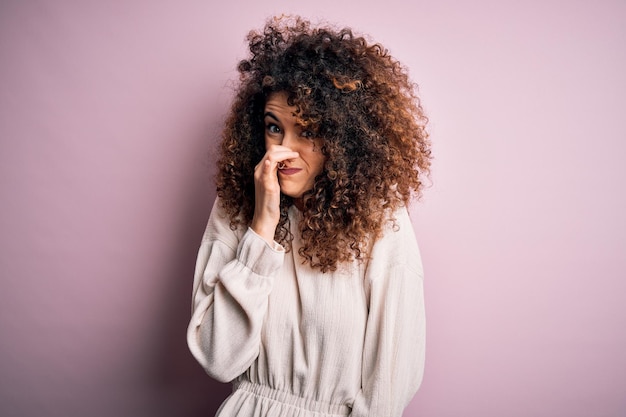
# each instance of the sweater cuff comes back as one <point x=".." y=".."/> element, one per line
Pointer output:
<point x="258" y="255"/>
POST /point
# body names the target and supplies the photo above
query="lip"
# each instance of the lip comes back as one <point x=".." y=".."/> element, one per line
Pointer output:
<point x="289" y="171"/>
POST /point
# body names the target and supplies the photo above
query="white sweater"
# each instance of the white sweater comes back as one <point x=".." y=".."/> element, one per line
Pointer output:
<point x="298" y="342"/>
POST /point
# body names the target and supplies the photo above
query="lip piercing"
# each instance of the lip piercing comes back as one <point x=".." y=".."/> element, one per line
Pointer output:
<point x="281" y="165"/>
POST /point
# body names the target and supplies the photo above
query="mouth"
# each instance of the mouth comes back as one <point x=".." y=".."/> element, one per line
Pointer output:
<point x="289" y="171"/>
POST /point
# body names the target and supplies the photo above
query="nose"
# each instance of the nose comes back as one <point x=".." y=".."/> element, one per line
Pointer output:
<point x="289" y="140"/>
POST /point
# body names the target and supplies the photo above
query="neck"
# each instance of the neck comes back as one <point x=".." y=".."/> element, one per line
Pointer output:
<point x="299" y="203"/>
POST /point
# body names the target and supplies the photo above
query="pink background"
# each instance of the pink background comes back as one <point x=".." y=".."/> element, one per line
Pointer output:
<point x="108" y="115"/>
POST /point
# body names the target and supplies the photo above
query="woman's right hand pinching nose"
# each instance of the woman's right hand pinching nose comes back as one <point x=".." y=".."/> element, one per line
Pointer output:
<point x="267" y="191"/>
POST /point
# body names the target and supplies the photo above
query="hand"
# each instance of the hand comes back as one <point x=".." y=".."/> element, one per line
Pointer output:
<point x="267" y="191"/>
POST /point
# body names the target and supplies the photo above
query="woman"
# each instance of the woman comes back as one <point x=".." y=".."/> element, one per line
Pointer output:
<point x="308" y="285"/>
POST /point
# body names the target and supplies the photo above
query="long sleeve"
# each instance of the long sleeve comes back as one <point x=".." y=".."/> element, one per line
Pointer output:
<point x="232" y="282"/>
<point x="393" y="353"/>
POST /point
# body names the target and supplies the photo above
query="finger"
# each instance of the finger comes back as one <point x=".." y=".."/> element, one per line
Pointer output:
<point x="282" y="156"/>
<point x="268" y="172"/>
<point x="279" y="152"/>
<point x="263" y="168"/>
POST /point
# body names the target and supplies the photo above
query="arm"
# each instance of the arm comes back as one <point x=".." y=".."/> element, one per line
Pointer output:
<point x="234" y="277"/>
<point x="393" y="352"/>
<point x="232" y="282"/>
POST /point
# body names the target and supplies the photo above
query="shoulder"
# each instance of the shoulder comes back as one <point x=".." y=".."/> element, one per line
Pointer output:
<point x="219" y="229"/>
<point x="397" y="245"/>
<point x="397" y="228"/>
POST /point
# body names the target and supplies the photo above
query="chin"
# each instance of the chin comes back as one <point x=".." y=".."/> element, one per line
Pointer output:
<point x="292" y="190"/>
<point x="291" y="193"/>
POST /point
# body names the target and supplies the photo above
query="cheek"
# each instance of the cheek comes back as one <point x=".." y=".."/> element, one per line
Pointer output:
<point x="269" y="141"/>
<point x="319" y="164"/>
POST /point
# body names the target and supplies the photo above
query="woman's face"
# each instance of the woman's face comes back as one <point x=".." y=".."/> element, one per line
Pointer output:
<point x="295" y="176"/>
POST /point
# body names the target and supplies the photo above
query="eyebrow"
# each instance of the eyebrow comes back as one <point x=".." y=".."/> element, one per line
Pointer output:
<point x="273" y="116"/>
<point x="270" y="114"/>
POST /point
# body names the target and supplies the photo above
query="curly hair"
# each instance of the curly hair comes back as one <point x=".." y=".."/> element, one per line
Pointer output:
<point x="360" y="101"/>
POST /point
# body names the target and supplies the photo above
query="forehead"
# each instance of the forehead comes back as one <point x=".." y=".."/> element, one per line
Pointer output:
<point x="277" y="102"/>
<point x="277" y="107"/>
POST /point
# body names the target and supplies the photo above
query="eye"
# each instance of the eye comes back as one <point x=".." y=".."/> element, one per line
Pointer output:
<point x="307" y="134"/>
<point x="273" y="128"/>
